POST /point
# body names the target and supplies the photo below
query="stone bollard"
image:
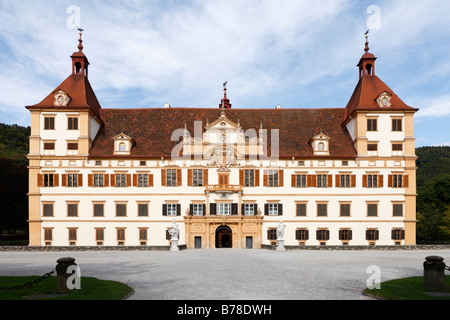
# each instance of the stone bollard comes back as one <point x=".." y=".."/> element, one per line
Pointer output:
<point x="61" y="271"/>
<point x="434" y="273"/>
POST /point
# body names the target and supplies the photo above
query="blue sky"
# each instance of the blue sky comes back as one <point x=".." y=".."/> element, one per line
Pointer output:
<point x="293" y="53"/>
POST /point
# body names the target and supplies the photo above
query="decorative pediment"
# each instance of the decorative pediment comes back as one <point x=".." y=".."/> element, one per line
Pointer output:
<point x="223" y="123"/>
<point x="384" y="100"/>
<point x="62" y="99"/>
<point x="123" y="144"/>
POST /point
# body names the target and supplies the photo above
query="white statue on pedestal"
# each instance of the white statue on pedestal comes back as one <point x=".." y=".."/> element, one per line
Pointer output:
<point x="280" y="230"/>
<point x="175" y="231"/>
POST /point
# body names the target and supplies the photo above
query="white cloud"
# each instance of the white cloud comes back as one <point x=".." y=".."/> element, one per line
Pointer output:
<point x="435" y="108"/>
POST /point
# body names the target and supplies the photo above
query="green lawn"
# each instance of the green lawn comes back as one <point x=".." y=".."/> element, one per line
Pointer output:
<point x="406" y="289"/>
<point x="91" y="289"/>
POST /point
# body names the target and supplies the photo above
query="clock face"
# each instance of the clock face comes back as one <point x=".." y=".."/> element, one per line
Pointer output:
<point x="385" y="101"/>
<point x="61" y="100"/>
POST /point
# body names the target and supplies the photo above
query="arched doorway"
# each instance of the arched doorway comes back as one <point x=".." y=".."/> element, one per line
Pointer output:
<point x="224" y="237"/>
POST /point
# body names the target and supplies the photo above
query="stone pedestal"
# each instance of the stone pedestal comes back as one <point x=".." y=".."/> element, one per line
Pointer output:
<point x="280" y="245"/>
<point x="174" y="245"/>
<point x="62" y="275"/>
<point x="434" y="273"/>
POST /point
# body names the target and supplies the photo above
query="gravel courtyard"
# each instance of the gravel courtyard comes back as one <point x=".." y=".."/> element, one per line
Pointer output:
<point x="232" y="274"/>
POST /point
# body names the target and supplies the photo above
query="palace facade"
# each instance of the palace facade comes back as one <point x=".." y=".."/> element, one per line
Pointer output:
<point x="227" y="176"/>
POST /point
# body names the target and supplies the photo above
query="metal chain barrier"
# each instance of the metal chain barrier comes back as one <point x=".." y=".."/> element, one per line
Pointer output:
<point x="31" y="283"/>
<point x="447" y="268"/>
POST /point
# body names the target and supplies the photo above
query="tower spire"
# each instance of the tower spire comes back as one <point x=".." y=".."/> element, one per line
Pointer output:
<point x="79" y="61"/>
<point x="225" y="104"/>
<point x="367" y="63"/>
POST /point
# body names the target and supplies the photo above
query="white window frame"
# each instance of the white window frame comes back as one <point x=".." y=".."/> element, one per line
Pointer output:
<point x="172" y="209"/>
<point x="249" y="209"/>
<point x="224" y="209"/>
<point x="273" y="209"/>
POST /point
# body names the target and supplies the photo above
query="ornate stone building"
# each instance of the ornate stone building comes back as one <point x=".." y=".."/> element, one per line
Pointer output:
<point x="227" y="176"/>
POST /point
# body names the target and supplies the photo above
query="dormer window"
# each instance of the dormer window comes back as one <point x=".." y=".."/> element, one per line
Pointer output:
<point x="320" y="144"/>
<point x="123" y="144"/>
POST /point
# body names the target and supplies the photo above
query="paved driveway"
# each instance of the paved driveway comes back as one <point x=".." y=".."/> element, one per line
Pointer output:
<point x="232" y="274"/>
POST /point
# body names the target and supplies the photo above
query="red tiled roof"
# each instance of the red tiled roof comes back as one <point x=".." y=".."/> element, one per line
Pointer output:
<point x="78" y="88"/>
<point x="366" y="93"/>
<point x="152" y="129"/>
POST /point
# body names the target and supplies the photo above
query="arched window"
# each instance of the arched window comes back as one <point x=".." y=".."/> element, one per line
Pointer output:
<point x="122" y="147"/>
<point x="321" y="146"/>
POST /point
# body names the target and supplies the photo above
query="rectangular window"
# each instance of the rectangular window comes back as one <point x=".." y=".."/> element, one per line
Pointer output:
<point x="249" y="178"/>
<point x="345" y="181"/>
<point x="142" y="234"/>
<point x="197" y="177"/>
<point x="397" y="181"/>
<point x="302" y="234"/>
<point x="301" y="181"/>
<point x="249" y="209"/>
<point x="121" y="210"/>
<point x="143" y="210"/>
<point x="322" y="181"/>
<point x="48" y="234"/>
<point x="121" y="180"/>
<point x="99" y="235"/>
<point x="372" y="125"/>
<point x="372" y="210"/>
<point x="345" y="210"/>
<point x="99" y="180"/>
<point x="273" y="209"/>
<point x="398" y="234"/>
<point x="171" y="209"/>
<point x="72" y="123"/>
<point x="197" y="209"/>
<point x="98" y="210"/>
<point x="372" y="234"/>
<point x="120" y="234"/>
<point x="372" y="147"/>
<point x="397" y="210"/>
<point x="301" y="209"/>
<point x="345" y="234"/>
<point x="171" y="177"/>
<point x="322" y="209"/>
<point x="272" y="234"/>
<point x="48" y="210"/>
<point x="224" y="209"/>
<point x="72" y="180"/>
<point x="397" y="147"/>
<point x="73" y="146"/>
<point x="72" y="210"/>
<point x="323" y="235"/>
<point x="372" y="181"/>
<point x="397" y="125"/>
<point x="72" y="234"/>
<point x="49" y="146"/>
<point x="143" y="180"/>
<point x="273" y="178"/>
<point x="48" y="180"/>
<point x="49" y="123"/>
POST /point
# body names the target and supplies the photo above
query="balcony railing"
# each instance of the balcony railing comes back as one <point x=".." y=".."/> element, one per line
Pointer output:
<point x="224" y="188"/>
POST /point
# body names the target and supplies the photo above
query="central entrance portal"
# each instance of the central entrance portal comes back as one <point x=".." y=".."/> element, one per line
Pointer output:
<point x="224" y="237"/>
